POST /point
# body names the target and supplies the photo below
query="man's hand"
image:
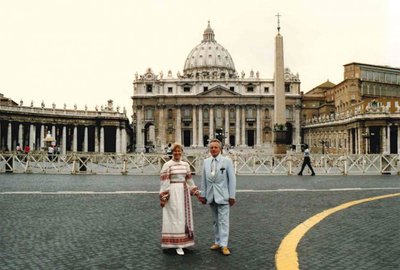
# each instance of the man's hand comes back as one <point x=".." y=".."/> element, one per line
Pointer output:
<point x="231" y="201"/>
<point x="202" y="200"/>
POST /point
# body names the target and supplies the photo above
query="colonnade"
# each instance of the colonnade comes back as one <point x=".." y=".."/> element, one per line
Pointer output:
<point x="357" y="140"/>
<point x="68" y="137"/>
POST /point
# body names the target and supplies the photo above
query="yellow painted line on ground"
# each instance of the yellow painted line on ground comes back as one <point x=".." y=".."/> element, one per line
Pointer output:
<point x="286" y="256"/>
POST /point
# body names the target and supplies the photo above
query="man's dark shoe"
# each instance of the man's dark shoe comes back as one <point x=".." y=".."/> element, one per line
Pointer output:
<point x="313" y="174"/>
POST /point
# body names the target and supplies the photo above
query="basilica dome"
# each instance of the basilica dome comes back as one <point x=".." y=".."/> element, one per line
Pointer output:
<point x="209" y="58"/>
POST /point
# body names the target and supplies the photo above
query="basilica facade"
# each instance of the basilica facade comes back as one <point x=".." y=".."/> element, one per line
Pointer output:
<point x="211" y="99"/>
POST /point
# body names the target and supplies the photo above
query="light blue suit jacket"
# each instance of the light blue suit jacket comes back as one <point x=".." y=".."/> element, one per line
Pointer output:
<point x="222" y="186"/>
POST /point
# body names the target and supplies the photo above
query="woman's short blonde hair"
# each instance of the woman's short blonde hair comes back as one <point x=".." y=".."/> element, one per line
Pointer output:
<point x="176" y="145"/>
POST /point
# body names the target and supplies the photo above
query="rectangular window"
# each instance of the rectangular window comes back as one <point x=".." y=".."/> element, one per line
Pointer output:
<point x="250" y="89"/>
<point x="287" y="88"/>
<point x="149" y="88"/>
<point x="186" y="89"/>
<point x="186" y="113"/>
<point x="266" y="90"/>
<point x="232" y="88"/>
<point x="205" y="88"/>
<point x="169" y="89"/>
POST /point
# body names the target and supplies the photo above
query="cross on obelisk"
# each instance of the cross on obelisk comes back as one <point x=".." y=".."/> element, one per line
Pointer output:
<point x="279" y="26"/>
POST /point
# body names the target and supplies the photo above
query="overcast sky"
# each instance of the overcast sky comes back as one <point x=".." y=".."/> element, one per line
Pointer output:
<point x="87" y="51"/>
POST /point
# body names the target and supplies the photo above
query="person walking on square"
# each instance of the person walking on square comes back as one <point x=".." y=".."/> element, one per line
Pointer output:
<point x="218" y="189"/>
<point x="176" y="187"/>
<point x="306" y="161"/>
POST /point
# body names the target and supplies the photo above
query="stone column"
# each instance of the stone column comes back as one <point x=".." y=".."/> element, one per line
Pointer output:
<point x="388" y="140"/>
<point x="123" y="140"/>
<point x="194" y="125"/>
<point x="297" y="129"/>
<point x="96" y="140"/>
<point x="117" y="140"/>
<point x="54" y="134"/>
<point x="161" y="127"/>
<point x="139" y="131"/>
<point x="258" y="126"/>
<point x="64" y="141"/>
<point x="32" y="136"/>
<point x="237" y="130"/>
<point x="178" y="128"/>
<point x="101" y="139"/>
<point x="53" y="131"/>
<point x="200" y="143"/>
<point x="9" y="137"/>
<point x="383" y="147"/>
<point x="366" y="150"/>
<point x="85" y="140"/>
<point x="211" y="123"/>
<point x="243" y="139"/>
<point x="21" y="135"/>
<point x="75" y="140"/>
<point x="42" y="136"/>
<point x="227" y="121"/>
<point x="359" y="140"/>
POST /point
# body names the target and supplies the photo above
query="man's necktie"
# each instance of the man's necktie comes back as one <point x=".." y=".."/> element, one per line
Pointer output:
<point x="213" y="166"/>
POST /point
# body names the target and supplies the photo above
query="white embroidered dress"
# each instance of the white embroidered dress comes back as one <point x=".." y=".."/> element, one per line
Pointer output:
<point x="177" y="217"/>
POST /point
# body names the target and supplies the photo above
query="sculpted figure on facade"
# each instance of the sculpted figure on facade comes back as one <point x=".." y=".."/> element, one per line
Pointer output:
<point x="32" y="104"/>
<point x="21" y="102"/>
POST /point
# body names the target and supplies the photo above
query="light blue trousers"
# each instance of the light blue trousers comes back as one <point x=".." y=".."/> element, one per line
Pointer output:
<point x="221" y="223"/>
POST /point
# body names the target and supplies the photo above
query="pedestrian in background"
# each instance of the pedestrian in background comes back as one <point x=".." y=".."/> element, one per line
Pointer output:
<point x="306" y="161"/>
<point x="218" y="189"/>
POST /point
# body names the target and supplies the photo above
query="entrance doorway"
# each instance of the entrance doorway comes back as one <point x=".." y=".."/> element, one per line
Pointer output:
<point x="393" y="139"/>
<point x="187" y="135"/>
<point x="250" y="137"/>
<point x="375" y="140"/>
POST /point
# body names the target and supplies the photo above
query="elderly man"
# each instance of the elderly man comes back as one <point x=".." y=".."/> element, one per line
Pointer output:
<point x="218" y="189"/>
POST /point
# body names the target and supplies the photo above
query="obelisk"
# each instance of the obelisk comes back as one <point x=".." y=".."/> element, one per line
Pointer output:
<point x="279" y="98"/>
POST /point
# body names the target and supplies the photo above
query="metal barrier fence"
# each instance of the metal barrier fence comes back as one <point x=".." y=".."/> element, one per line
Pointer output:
<point x="150" y="164"/>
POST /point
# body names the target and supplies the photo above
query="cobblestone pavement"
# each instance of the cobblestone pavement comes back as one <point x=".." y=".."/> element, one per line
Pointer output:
<point x="116" y="230"/>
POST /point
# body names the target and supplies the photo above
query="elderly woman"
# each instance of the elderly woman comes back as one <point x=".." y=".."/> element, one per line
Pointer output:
<point x="176" y="187"/>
